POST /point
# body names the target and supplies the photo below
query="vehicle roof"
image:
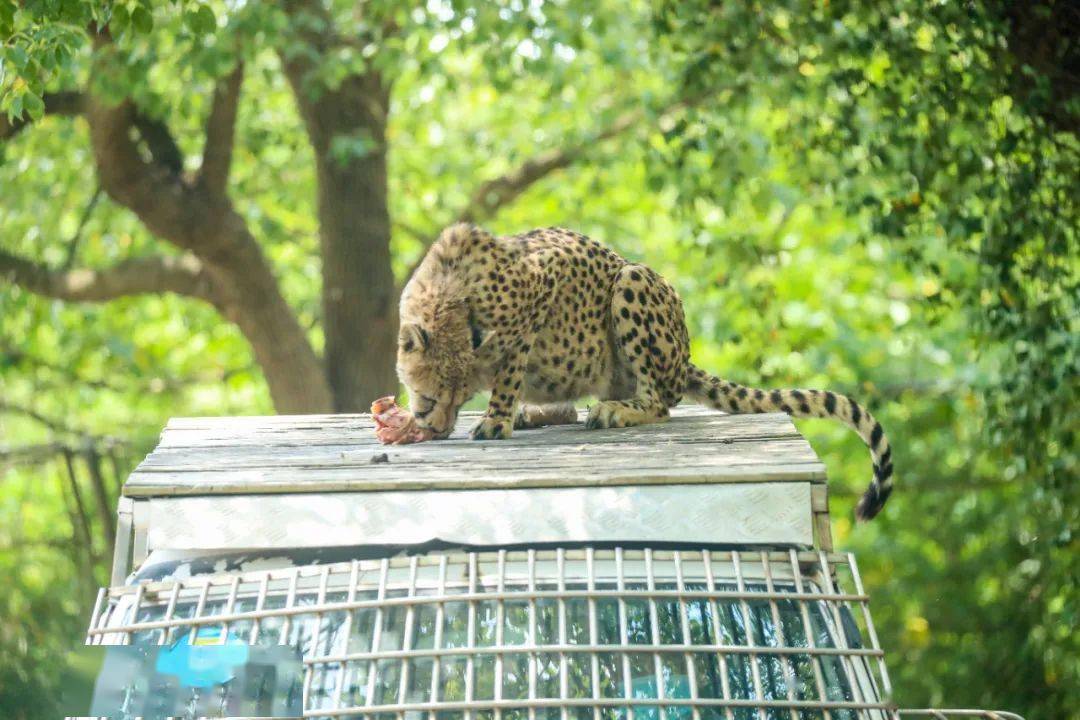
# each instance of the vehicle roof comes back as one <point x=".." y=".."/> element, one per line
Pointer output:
<point x="288" y="483"/>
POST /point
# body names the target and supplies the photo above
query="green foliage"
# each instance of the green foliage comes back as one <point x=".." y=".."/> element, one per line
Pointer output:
<point x="858" y="199"/>
<point x="33" y="54"/>
<point x="901" y="116"/>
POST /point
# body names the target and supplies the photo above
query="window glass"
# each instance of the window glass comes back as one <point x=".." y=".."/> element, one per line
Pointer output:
<point x="738" y="648"/>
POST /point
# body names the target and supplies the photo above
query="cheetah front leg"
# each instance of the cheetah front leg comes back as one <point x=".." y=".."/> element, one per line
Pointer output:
<point x="498" y="421"/>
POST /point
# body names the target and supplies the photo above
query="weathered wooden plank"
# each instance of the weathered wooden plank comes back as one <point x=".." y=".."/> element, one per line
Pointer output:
<point x="470" y="455"/>
<point x="819" y="503"/>
<point x="293" y="454"/>
<point x="217" y="421"/>
<point x="713" y="427"/>
<point x="125" y="529"/>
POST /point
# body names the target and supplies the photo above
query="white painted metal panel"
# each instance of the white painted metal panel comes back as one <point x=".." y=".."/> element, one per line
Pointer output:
<point x="752" y="513"/>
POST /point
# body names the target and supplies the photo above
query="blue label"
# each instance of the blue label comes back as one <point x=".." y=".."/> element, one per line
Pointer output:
<point x="204" y="661"/>
<point x="197" y="676"/>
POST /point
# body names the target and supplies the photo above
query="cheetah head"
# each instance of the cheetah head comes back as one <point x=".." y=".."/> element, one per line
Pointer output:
<point x="443" y="360"/>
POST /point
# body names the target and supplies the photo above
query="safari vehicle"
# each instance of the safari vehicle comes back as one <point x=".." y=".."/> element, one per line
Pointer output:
<point x="683" y="570"/>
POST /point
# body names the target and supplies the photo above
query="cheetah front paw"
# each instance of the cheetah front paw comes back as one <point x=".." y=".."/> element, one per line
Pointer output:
<point x="492" y="429"/>
<point x="607" y="414"/>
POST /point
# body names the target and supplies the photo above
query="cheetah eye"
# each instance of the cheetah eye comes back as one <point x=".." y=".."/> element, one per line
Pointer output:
<point x="413" y="337"/>
<point x="477" y="336"/>
<point x="430" y="404"/>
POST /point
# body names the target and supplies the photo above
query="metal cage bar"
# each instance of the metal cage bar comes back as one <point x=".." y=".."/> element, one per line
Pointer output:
<point x="788" y="663"/>
<point x="808" y="632"/>
<point x="714" y="614"/>
<point x="777" y="634"/>
<point x="438" y="639"/>
<point x="407" y="635"/>
<point x="347" y="624"/>
<point x="500" y="619"/>
<point x="564" y="680"/>
<point x="470" y="641"/>
<point x="684" y="632"/>
<point x="654" y="625"/>
<point x="309" y="670"/>
<point x="532" y="660"/>
<point x="755" y="665"/>
<point x="594" y="629"/>
<point x="624" y="635"/>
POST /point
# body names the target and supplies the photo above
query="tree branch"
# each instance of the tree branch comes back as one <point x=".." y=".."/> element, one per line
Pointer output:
<point x="417" y="233"/>
<point x="159" y="141"/>
<point x="153" y="189"/>
<point x="226" y="267"/>
<point x="182" y="275"/>
<point x="80" y="518"/>
<point x="11" y="457"/>
<point x="56" y="426"/>
<point x="500" y="191"/>
<point x="220" y="132"/>
<point x="103" y="501"/>
<point x="12" y="357"/>
<point x="155" y="133"/>
<point x="59" y="103"/>
<point x="38" y="454"/>
<point x="73" y="243"/>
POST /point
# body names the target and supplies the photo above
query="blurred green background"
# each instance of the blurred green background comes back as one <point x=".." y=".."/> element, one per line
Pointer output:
<point x="874" y="198"/>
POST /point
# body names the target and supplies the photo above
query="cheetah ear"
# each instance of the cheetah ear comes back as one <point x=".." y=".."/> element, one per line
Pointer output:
<point x="483" y="341"/>
<point x="479" y="337"/>
<point x="486" y="352"/>
<point x="412" y="337"/>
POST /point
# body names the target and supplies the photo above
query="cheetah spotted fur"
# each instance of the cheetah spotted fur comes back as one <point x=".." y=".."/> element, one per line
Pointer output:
<point x="544" y="318"/>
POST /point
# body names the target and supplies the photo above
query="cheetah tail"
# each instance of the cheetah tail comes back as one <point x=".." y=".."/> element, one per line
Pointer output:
<point x="739" y="399"/>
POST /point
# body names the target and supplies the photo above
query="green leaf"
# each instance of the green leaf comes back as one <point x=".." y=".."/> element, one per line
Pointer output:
<point x="34" y="105"/>
<point x="120" y="19"/>
<point x="15" y="106"/>
<point x="142" y="20"/>
<point x="201" y="21"/>
<point x="17" y="56"/>
<point x="7" y="17"/>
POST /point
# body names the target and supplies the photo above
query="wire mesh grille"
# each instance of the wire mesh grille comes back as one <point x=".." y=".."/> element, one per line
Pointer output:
<point x="576" y="634"/>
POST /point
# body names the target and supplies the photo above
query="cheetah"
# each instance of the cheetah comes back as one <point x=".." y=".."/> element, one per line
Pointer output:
<point x="547" y="317"/>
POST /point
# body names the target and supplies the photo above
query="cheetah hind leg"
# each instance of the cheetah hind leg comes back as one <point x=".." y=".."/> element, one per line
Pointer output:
<point x="652" y="360"/>
<point x="534" y="416"/>
<point x="625" y="413"/>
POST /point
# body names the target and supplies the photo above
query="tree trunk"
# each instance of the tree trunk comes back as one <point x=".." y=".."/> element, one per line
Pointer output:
<point x="252" y="300"/>
<point x="194" y="218"/>
<point x="359" y="296"/>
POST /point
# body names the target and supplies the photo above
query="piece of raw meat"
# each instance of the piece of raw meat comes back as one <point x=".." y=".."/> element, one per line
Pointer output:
<point x="395" y="425"/>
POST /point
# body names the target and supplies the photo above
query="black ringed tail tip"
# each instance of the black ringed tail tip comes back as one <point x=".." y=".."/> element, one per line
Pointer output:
<point x="734" y="398"/>
<point x="872" y="501"/>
